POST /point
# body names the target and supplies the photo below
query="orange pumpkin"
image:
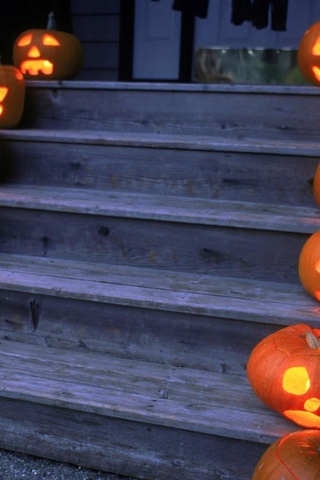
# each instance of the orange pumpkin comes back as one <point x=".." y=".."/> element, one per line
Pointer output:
<point x="12" y="94"/>
<point x="294" y="456"/>
<point x="316" y="186"/>
<point x="47" y="54"/>
<point x="308" y="55"/>
<point x="309" y="265"/>
<point x="284" y="372"/>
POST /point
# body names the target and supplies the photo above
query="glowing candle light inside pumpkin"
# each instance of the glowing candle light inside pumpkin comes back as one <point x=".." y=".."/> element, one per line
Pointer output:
<point x="316" y="47"/>
<point x="3" y="94"/>
<point x="47" y="54"/>
<point x="296" y="381"/>
<point x="308" y="55"/>
<point x="284" y="372"/>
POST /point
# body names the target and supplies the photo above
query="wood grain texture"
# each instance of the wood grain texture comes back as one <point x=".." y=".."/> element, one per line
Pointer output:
<point x="145" y="451"/>
<point x="236" y="112"/>
<point x="251" y="242"/>
<point x="150" y="235"/>
<point x="147" y="334"/>
<point x="213" y="296"/>
<point x="179" y="165"/>
<point x="182" y="398"/>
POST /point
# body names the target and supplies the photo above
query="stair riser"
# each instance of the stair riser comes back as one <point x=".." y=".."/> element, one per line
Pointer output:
<point x="236" y="111"/>
<point x="141" y="450"/>
<point x="208" y="174"/>
<point x="180" y="339"/>
<point x="265" y="255"/>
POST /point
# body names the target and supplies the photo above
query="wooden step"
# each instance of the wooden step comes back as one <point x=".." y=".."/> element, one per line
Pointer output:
<point x="231" y="239"/>
<point x="196" y="166"/>
<point x="142" y="419"/>
<point x="199" y="321"/>
<point x="239" y="111"/>
<point x="247" y="215"/>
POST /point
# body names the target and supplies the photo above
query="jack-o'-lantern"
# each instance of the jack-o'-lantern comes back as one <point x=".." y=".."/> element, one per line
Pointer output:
<point x="309" y="265"/>
<point x="294" y="456"/>
<point x="12" y="94"/>
<point x="284" y="372"/>
<point x="47" y="54"/>
<point x="308" y="55"/>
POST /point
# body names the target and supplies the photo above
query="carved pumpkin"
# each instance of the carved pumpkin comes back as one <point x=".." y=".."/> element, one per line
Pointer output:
<point x="294" y="456"/>
<point x="308" y="55"/>
<point x="309" y="265"/>
<point x="47" y="54"/>
<point x="12" y="93"/>
<point x="284" y="372"/>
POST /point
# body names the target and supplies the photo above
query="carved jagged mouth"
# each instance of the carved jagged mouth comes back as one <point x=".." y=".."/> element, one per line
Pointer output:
<point x="35" y="67"/>
<point x="305" y="419"/>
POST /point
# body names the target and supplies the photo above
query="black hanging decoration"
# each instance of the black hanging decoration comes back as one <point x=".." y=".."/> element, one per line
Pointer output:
<point x="199" y="8"/>
<point x="257" y="12"/>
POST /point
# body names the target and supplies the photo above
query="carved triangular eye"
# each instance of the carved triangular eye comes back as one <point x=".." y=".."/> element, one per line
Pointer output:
<point x="50" y="40"/>
<point x="316" y="47"/>
<point x="25" y="40"/>
<point x="3" y="93"/>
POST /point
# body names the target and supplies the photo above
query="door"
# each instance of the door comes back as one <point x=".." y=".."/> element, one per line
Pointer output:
<point x="156" y="48"/>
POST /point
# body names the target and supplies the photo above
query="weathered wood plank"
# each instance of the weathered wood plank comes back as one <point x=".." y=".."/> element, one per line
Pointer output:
<point x="213" y="249"/>
<point x="260" y="216"/>
<point x="236" y="112"/>
<point x="141" y="450"/>
<point x="165" y="337"/>
<point x="138" y="391"/>
<point x="238" y="170"/>
<point x="265" y="302"/>
<point x="292" y="147"/>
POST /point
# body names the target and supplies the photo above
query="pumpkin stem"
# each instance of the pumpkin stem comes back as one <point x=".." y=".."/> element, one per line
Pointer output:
<point x="312" y="340"/>
<point x="51" y="25"/>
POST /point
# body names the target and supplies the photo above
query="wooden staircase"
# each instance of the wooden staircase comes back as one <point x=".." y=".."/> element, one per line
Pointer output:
<point x="149" y="239"/>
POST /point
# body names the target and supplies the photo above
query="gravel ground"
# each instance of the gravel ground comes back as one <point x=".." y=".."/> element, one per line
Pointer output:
<point x="16" y="466"/>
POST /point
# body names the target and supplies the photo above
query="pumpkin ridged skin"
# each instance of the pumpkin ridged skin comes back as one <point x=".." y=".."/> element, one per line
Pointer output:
<point x="309" y="256"/>
<point x="13" y="103"/>
<point x="272" y="357"/>
<point x="316" y="186"/>
<point x="305" y="58"/>
<point x="294" y="456"/>
<point x="66" y="58"/>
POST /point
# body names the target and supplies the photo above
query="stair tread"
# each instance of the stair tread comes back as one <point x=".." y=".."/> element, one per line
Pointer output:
<point x="204" y="211"/>
<point x="161" y="140"/>
<point x="138" y="391"/>
<point x="200" y="294"/>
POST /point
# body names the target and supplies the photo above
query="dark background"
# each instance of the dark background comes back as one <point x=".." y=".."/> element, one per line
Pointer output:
<point x="17" y="16"/>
